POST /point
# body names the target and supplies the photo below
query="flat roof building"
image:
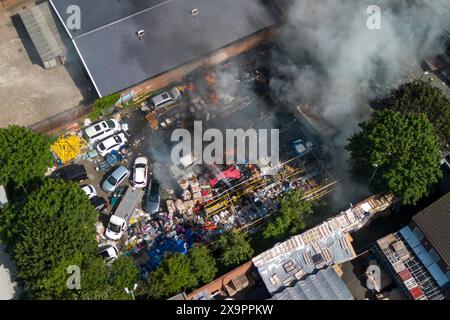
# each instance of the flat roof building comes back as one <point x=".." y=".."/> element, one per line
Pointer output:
<point x="124" y="43"/>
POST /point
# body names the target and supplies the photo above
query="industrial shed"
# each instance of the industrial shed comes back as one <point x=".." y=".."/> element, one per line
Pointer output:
<point x="125" y="43"/>
<point x="40" y="24"/>
<point x="325" y="285"/>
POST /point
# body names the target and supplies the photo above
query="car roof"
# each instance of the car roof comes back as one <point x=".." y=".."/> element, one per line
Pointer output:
<point x="161" y="97"/>
<point x="71" y="171"/>
<point x="111" y="141"/>
<point x="116" y="220"/>
<point x="120" y="171"/>
<point x="91" y="130"/>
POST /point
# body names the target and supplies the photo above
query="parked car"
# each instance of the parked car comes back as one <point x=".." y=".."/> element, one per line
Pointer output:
<point x="73" y="172"/>
<point x="112" y="143"/>
<point x="89" y="190"/>
<point x="116" y="227"/>
<point x="166" y="98"/>
<point x="99" y="203"/>
<point x="117" y="177"/>
<point x="109" y="253"/>
<point x="101" y="130"/>
<point x="140" y="172"/>
<point x="152" y="198"/>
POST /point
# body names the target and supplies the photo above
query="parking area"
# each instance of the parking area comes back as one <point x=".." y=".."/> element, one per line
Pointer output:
<point x="29" y="93"/>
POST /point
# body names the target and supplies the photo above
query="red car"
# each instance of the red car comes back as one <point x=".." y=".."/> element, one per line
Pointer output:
<point x="231" y="173"/>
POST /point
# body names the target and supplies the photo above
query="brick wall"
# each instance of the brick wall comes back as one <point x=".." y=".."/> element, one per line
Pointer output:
<point x="217" y="284"/>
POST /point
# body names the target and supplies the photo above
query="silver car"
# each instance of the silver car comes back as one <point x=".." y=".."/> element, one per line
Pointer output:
<point x="115" y="179"/>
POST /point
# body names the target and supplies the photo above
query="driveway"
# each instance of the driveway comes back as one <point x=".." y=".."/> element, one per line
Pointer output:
<point x="28" y="92"/>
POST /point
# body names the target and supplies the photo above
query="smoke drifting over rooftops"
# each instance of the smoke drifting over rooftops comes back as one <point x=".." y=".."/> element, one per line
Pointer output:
<point x="337" y="64"/>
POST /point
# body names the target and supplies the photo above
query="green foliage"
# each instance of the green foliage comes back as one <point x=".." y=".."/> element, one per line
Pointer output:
<point x="234" y="247"/>
<point x="24" y="156"/>
<point x="421" y="97"/>
<point x="398" y="153"/>
<point x="174" y="275"/>
<point x="291" y="218"/>
<point x="180" y="272"/>
<point x="104" y="282"/>
<point x="103" y="104"/>
<point x="202" y="264"/>
<point x="56" y="224"/>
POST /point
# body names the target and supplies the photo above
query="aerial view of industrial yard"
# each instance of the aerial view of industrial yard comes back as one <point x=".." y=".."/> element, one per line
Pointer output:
<point x="224" y="156"/>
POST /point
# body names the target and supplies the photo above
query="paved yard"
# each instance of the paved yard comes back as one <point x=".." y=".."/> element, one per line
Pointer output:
<point x="28" y="92"/>
<point x="8" y="288"/>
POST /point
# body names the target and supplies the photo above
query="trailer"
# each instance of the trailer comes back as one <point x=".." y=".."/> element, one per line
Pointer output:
<point x="130" y="201"/>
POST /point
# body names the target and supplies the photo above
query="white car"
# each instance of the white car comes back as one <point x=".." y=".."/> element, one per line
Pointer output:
<point x="102" y="130"/>
<point x="109" y="253"/>
<point x="116" y="227"/>
<point x="166" y="98"/>
<point x="89" y="190"/>
<point x="112" y="143"/>
<point x="140" y="172"/>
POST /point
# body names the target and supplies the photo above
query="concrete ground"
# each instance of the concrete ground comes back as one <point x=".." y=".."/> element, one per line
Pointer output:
<point x="8" y="287"/>
<point x="28" y="92"/>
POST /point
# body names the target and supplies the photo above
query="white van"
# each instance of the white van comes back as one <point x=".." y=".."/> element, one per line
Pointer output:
<point x="102" y="130"/>
<point x="166" y="98"/>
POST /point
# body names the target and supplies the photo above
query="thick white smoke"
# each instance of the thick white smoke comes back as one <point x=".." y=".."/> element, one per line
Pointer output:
<point x="337" y="64"/>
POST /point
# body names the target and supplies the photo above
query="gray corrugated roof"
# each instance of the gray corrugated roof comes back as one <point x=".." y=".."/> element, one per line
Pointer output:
<point x="325" y="285"/>
<point x="44" y="34"/>
<point x="434" y="222"/>
<point x="301" y="259"/>
<point x="117" y="59"/>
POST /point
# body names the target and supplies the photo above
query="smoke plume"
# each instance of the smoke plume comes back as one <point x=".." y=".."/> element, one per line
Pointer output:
<point x="337" y="64"/>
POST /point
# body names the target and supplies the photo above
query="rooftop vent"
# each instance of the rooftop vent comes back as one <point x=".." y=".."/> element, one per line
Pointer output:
<point x="140" y="33"/>
<point x="194" y="12"/>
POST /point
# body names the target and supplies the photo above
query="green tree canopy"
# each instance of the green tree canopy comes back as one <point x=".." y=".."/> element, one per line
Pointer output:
<point x="234" y="247"/>
<point x="108" y="282"/>
<point x="178" y="273"/>
<point x="291" y="218"/>
<point x="174" y="275"/>
<point x="422" y="97"/>
<point x="202" y="263"/>
<point x="56" y="224"/>
<point x="397" y="153"/>
<point x="25" y="155"/>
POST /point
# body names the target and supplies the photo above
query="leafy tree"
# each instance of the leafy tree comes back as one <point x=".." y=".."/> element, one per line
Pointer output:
<point x="422" y="97"/>
<point x="25" y="155"/>
<point x="174" y="275"/>
<point x="202" y="263"/>
<point x="108" y="282"/>
<point x="98" y="281"/>
<point x="56" y="223"/>
<point x="102" y="104"/>
<point x="291" y="218"/>
<point x="234" y="247"/>
<point x="398" y="153"/>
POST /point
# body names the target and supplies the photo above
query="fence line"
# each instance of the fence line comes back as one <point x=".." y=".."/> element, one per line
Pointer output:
<point x="61" y="119"/>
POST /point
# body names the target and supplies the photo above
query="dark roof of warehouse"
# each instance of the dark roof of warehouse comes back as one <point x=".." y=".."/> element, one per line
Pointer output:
<point x="116" y="58"/>
<point x="325" y="285"/>
<point x="434" y="222"/>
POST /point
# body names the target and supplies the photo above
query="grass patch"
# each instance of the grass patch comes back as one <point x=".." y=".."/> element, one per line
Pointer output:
<point x="103" y="104"/>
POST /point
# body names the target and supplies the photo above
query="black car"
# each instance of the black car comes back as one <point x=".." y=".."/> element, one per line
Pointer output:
<point x="73" y="172"/>
<point x="152" y="198"/>
<point x="99" y="203"/>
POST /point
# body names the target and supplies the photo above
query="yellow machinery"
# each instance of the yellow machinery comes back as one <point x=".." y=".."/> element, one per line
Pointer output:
<point x="67" y="148"/>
